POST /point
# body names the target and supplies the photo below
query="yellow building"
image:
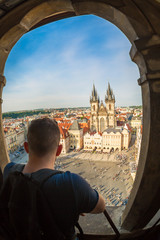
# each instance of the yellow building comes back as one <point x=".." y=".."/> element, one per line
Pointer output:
<point x="136" y="122"/>
<point x="11" y="140"/>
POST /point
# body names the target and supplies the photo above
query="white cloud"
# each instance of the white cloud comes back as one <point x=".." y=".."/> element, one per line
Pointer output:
<point x="62" y="75"/>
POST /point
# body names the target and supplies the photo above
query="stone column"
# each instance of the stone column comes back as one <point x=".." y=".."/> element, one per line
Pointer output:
<point x="4" y="158"/>
<point x="144" y="199"/>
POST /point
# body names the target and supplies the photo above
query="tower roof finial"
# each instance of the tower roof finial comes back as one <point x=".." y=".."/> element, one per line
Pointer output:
<point x="109" y="95"/>
<point x="94" y="95"/>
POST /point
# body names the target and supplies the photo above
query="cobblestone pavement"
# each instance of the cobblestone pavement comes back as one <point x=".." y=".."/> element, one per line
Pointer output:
<point x="109" y="174"/>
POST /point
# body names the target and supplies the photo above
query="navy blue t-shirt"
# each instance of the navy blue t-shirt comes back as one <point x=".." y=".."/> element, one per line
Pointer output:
<point x="68" y="195"/>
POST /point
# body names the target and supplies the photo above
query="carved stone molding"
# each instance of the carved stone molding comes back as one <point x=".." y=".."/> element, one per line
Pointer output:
<point x="2" y="80"/>
<point x="145" y="53"/>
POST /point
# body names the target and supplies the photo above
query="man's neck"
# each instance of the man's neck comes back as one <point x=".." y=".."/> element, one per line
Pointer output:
<point x="36" y="163"/>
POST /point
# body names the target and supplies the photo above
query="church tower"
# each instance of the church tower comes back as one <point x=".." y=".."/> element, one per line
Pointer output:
<point x="94" y="101"/>
<point x="110" y="106"/>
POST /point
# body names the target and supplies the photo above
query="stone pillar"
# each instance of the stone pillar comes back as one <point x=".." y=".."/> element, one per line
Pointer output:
<point x="4" y="158"/>
<point x="144" y="198"/>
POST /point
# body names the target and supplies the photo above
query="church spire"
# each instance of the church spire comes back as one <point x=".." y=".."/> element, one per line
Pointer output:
<point x="109" y="95"/>
<point x="94" y="96"/>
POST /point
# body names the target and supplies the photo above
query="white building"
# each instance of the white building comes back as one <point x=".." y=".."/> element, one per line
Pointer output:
<point x="111" y="139"/>
<point x="93" y="141"/>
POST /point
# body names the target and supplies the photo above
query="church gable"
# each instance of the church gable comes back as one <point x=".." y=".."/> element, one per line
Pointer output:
<point x="102" y="109"/>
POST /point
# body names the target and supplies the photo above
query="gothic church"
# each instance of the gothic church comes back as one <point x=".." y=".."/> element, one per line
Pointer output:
<point x="102" y="117"/>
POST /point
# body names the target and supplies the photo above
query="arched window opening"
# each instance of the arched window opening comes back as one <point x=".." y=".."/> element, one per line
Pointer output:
<point x="134" y="133"/>
<point x="45" y="79"/>
<point x="102" y="125"/>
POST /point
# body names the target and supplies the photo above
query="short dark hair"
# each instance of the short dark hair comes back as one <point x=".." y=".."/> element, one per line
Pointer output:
<point x="43" y="136"/>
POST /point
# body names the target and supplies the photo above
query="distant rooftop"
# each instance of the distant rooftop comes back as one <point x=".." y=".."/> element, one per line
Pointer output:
<point x="75" y="126"/>
<point x="114" y="130"/>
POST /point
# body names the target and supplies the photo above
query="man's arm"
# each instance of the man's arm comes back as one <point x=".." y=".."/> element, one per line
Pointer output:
<point x="100" y="206"/>
<point x="88" y="200"/>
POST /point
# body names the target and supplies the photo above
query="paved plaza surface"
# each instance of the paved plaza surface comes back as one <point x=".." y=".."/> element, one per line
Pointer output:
<point x="109" y="174"/>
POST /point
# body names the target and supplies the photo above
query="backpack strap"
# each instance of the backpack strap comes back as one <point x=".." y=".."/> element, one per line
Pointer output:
<point x="49" y="174"/>
<point x="17" y="167"/>
<point x="41" y="177"/>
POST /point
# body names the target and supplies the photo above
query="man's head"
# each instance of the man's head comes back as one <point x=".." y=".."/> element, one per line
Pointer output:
<point x="43" y="137"/>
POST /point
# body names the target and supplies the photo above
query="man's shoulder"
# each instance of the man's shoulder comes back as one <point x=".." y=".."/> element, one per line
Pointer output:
<point x="69" y="177"/>
<point x="12" y="166"/>
<point x="69" y="181"/>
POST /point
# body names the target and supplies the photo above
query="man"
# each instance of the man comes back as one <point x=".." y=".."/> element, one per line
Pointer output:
<point x="68" y="194"/>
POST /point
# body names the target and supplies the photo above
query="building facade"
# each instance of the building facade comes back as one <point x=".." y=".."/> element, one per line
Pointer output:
<point x="111" y="139"/>
<point x="93" y="141"/>
<point x="76" y="136"/>
<point x="104" y="134"/>
<point x="136" y="122"/>
<point x="138" y="143"/>
<point x="11" y="140"/>
<point x="64" y="140"/>
<point x="102" y="117"/>
<point x="20" y="137"/>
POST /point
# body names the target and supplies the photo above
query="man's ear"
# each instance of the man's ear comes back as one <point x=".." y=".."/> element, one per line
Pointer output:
<point x="59" y="149"/>
<point x="26" y="147"/>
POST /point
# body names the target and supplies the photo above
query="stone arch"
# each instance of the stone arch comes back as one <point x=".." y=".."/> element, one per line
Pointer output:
<point x="111" y="149"/>
<point x="140" y="23"/>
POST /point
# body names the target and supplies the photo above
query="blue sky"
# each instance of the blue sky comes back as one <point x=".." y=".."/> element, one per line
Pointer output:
<point x="56" y="65"/>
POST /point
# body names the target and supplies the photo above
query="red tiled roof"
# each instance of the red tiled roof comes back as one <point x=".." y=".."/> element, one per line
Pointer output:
<point x="58" y="119"/>
<point x="63" y="132"/>
<point x="65" y="125"/>
<point x="129" y="127"/>
<point x="100" y="133"/>
<point x="5" y="129"/>
<point x="85" y="130"/>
